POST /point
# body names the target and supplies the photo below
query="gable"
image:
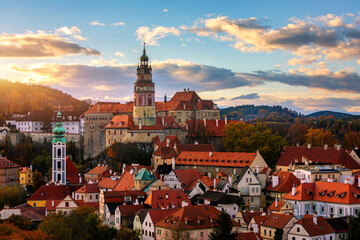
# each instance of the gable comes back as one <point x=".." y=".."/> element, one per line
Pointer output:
<point x="302" y="230"/>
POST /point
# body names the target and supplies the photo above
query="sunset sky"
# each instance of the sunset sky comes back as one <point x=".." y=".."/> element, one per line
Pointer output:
<point x="300" y="54"/>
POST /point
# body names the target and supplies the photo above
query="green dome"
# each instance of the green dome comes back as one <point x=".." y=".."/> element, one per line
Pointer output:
<point x="144" y="57"/>
<point x="59" y="130"/>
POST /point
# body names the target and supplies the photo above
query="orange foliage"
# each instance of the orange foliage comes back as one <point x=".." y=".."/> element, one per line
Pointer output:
<point x="9" y="232"/>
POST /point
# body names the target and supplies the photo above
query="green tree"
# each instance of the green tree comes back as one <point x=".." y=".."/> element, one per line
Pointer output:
<point x="223" y="228"/>
<point x="125" y="233"/>
<point x="47" y="118"/>
<point x="38" y="180"/>
<point x="354" y="228"/>
<point x="278" y="234"/>
<point x="2" y="120"/>
<point x="12" y="196"/>
<point x="21" y="222"/>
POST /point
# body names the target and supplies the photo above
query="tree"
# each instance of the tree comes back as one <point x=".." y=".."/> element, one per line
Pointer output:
<point x="319" y="137"/>
<point x="125" y="233"/>
<point x="354" y="228"/>
<point x="223" y="228"/>
<point x="278" y="234"/>
<point x="21" y="222"/>
<point x="2" y="120"/>
<point x="47" y="118"/>
<point x="38" y="180"/>
<point x="9" y="232"/>
<point x="297" y="134"/>
<point x="177" y="233"/>
<point x="352" y="140"/>
<point x="12" y="196"/>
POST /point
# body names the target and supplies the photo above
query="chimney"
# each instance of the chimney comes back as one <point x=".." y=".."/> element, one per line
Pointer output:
<point x="140" y="124"/>
<point x="209" y="174"/>
<point x="210" y="154"/>
<point x="315" y="218"/>
<point x="214" y="184"/>
<point x="309" y="145"/>
<point x="187" y="126"/>
<point x="225" y="120"/>
<point x="184" y="204"/>
<point x="276" y="202"/>
<point x="110" y="171"/>
<point x="196" y="142"/>
<point x="275" y="181"/>
<point x="124" y="166"/>
<point x="73" y="195"/>
<point x="52" y="203"/>
<point x="31" y="167"/>
<point x="293" y="191"/>
<point x="217" y="122"/>
<point x="184" y="89"/>
<point x="204" y="122"/>
<point x="173" y="163"/>
<point x="188" y="89"/>
<point x="98" y="107"/>
<point x="168" y="142"/>
<point x="166" y="195"/>
<point x="163" y="121"/>
<point x="79" y="178"/>
<point x="326" y="146"/>
<point x="131" y="171"/>
<point x="347" y="181"/>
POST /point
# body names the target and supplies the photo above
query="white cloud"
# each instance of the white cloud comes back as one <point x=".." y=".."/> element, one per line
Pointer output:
<point x="96" y="23"/>
<point x="151" y="36"/>
<point x="165" y="10"/>
<point x="120" y="54"/>
<point x="119" y="24"/>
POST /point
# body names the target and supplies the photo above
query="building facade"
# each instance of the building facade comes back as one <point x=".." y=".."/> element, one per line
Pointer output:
<point x="9" y="173"/>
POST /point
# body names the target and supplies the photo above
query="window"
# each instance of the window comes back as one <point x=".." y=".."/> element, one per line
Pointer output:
<point x="90" y="197"/>
<point x="270" y="232"/>
<point x="293" y="238"/>
<point x="66" y="204"/>
<point x="340" y="211"/>
<point x="298" y="229"/>
<point x="313" y="207"/>
<point x="265" y="231"/>
<point x="201" y="234"/>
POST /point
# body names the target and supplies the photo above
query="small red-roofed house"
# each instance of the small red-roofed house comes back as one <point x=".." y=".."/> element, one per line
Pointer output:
<point x="66" y="205"/>
<point x="276" y="221"/>
<point x="125" y="214"/>
<point x="26" y="176"/>
<point x="281" y="207"/>
<point x="197" y="222"/>
<point x="327" y="199"/>
<point x="165" y="199"/>
<point x="88" y="193"/>
<point x="244" y="217"/>
<point x="94" y="174"/>
<point x="9" y="173"/>
<point x="281" y="184"/>
<point x="312" y="227"/>
<point x="256" y="221"/>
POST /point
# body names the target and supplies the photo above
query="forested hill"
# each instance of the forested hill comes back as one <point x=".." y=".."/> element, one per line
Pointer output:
<point x="336" y="115"/>
<point x="252" y="112"/>
<point x="20" y="97"/>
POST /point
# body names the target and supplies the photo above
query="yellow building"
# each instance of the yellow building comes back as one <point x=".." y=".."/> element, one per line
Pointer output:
<point x="26" y="176"/>
<point x="277" y="221"/>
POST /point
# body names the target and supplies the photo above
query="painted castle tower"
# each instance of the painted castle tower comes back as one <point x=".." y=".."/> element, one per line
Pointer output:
<point x="144" y="94"/>
<point x="59" y="153"/>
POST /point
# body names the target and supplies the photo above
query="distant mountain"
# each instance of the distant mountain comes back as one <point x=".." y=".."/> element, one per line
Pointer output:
<point x="252" y="112"/>
<point x="337" y="115"/>
<point x="20" y="97"/>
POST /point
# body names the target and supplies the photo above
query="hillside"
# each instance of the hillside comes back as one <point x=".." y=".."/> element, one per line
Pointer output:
<point x="337" y="115"/>
<point x="251" y="112"/>
<point x="20" y="97"/>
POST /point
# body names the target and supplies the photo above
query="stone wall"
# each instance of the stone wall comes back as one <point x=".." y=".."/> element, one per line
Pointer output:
<point x="40" y="137"/>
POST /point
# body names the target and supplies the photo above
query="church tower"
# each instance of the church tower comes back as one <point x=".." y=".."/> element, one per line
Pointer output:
<point x="59" y="153"/>
<point x="144" y="94"/>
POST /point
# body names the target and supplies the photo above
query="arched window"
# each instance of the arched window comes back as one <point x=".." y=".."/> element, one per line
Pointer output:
<point x="59" y="165"/>
<point x="59" y="177"/>
<point x="149" y="101"/>
<point x="59" y="153"/>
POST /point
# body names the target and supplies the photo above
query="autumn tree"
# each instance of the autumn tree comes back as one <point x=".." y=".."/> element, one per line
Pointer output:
<point x="352" y="140"/>
<point x="125" y="233"/>
<point x="318" y="137"/>
<point x="38" y="180"/>
<point x="223" y="228"/>
<point x="10" y="232"/>
<point x="198" y="131"/>
<point x="354" y="228"/>
<point x="297" y="134"/>
<point x="12" y="196"/>
<point x="47" y="118"/>
<point x="2" y="120"/>
<point x="21" y="222"/>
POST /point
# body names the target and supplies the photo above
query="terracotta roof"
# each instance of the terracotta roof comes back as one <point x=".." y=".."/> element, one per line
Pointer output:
<point x="188" y="96"/>
<point x="5" y="163"/>
<point x="216" y="130"/>
<point x="322" y="227"/>
<point x="248" y="236"/>
<point x="167" y="199"/>
<point x="107" y="183"/>
<point x="276" y="220"/>
<point x="197" y="147"/>
<point x="111" y="107"/>
<point x="126" y="122"/>
<point x="317" y="154"/>
<point x="165" y="152"/>
<point x="260" y="219"/>
<point x="119" y="196"/>
<point x="129" y="210"/>
<point x="126" y="182"/>
<point x="192" y="218"/>
<point x="157" y="215"/>
<point x="272" y="207"/>
<point x="97" y="170"/>
<point x="187" y="177"/>
<point x="172" y="141"/>
<point x="121" y="121"/>
<point x="50" y="205"/>
<point x="72" y="174"/>
<point x="24" y="169"/>
<point x="247" y="216"/>
<point x="32" y="215"/>
<point x="286" y="181"/>
<point x="326" y="192"/>
<point x="94" y="205"/>
<point x="226" y="159"/>
<point x="209" y="182"/>
<point x="88" y="188"/>
<point x="50" y="192"/>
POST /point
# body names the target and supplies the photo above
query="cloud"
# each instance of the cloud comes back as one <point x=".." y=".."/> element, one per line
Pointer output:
<point x="151" y="36"/>
<point x="246" y="96"/>
<point x="96" y="23"/>
<point x="327" y="36"/>
<point x="41" y="45"/>
<point x="120" y="54"/>
<point x="165" y="10"/>
<point x="119" y="24"/>
<point x="73" y="31"/>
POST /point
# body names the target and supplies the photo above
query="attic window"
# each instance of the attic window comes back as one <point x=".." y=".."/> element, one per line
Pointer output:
<point x="190" y="159"/>
<point x="322" y="193"/>
<point x="355" y="195"/>
<point x="206" y="160"/>
<point x="330" y="193"/>
<point x="222" y="161"/>
<point x="342" y="195"/>
<point x="216" y="160"/>
<point x="235" y="161"/>
<point x="308" y="192"/>
<point x="228" y="161"/>
<point x="212" y="160"/>
<point x="241" y="161"/>
<point x="201" y="160"/>
<point x="195" y="160"/>
<point x="247" y="161"/>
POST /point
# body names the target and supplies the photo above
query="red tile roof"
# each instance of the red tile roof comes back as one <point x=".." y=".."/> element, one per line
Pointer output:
<point x="209" y="182"/>
<point x="50" y="205"/>
<point x="272" y="207"/>
<point x="72" y="174"/>
<point x="276" y="220"/>
<point x="333" y="192"/>
<point x="5" y="163"/>
<point x="24" y="169"/>
<point x="107" y="183"/>
<point x="126" y="122"/>
<point x="50" y="192"/>
<point x="111" y="107"/>
<point x="32" y="215"/>
<point x="226" y="159"/>
<point x="172" y="141"/>
<point x="248" y="236"/>
<point x="216" y="130"/>
<point x="88" y="188"/>
<point x="192" y="218"/>
<point x="98" y="170"/>
<point x="119" y="196"/>
<point x="286" y="181"/>
<point x="321" y="228"/>
<point x="129" y="210"/>
<point x="187" y="177"/>
<point x="247" y="216"/>
<point x="157" y="215"/>
<point x="167" y="199"/>
<point x="317" y="154"/>
<point x="126" y="182"/>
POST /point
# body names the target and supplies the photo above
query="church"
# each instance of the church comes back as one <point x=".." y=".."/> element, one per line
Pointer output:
<point x="142" y="119"/>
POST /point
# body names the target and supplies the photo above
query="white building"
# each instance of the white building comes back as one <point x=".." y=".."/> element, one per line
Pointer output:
<point x="172" y="180"/>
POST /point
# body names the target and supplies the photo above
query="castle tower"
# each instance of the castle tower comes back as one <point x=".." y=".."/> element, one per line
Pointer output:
<point x="59" y="153"/>
<point x="144" y="94"/>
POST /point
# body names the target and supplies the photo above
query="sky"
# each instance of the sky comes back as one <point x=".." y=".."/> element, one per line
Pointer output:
<point x="304" y="55"/>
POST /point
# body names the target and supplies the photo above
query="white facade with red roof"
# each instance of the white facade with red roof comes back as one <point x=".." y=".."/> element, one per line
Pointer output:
<point x="327" y="199"/>
<point x="9" y="173"/>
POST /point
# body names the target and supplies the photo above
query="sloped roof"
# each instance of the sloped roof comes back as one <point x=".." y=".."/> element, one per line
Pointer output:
<point x="50" y="192"/>
<point x="32" y="215"/>
<point x="322" y="227"/>
<point x="238" y="177"/>
<point x="247" y="216"/>
<point x="129" y="210"/>
<point x="276" y="220"/>
<point x="157" y="215"/>
<point x="97" y="170"/>
<point x="191" y="218"/>
<point x="187" y="177"/>
<point x="126" y="122"/>
<point x="248" y="236"/>
<point x="286" y="181"/>
<point x="23" y="169"/>
<point x="126" y="182"/>
<point x="107" y="183"/>
<point x="272" y="207"/>
<point x="119" y="196"/>
<point x="317" y="154"/>
<point x="220" y="198"/>
<point x="333" y="192"/>
<point x="72" y="174"/>
<point x="5" y="163"/>
<point x="88" y="188"/>
<point x="167" y="199"/>
<point x="226" y="159"/>
<point x="340" y="225"/>
<point x="144" y="175"/>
